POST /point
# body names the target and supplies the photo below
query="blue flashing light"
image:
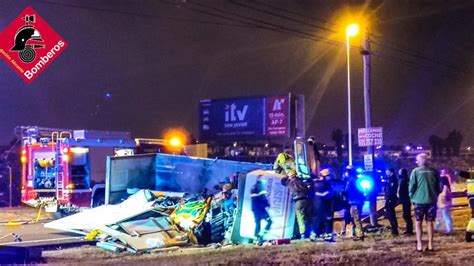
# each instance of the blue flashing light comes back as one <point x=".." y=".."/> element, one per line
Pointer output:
<point x="359" y="170"/>
<point x="365" y="184"/>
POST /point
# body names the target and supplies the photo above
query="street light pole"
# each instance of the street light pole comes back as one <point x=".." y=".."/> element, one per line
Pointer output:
<point x="351" y="30"/>
<point x="349" y="118"/>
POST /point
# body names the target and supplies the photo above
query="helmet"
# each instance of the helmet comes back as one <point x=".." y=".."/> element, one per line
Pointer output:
<point x="23" y="35"/>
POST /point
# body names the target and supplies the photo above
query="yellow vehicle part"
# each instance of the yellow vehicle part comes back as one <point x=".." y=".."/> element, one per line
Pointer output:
<point x="470" y="226"/>
<point x="470" y="187"/>
<point x="92" y="234"/>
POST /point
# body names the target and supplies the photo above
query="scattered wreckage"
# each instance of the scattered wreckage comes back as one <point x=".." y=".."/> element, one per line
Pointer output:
<point x="151" y="219"/>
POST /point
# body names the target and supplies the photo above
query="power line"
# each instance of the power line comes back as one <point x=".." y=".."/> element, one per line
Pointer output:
<point x="393" y="47"/>
<point x="306" y="34"/>
<point x="291" y="12"/>
<point x="243" y="23"/>
<point x="282" y="16"/>
<point x="402" y="61"/>
<point x="323" y="39"/>
<point x="142" y="15"/>
<point x="250" y="22"/>
<point x="420" y="56"/>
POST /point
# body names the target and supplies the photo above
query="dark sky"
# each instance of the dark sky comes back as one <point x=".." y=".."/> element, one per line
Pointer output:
<point x="158" y="61"/>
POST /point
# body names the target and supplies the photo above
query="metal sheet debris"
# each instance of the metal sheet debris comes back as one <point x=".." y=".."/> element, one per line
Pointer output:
<point x="152" y="220"/>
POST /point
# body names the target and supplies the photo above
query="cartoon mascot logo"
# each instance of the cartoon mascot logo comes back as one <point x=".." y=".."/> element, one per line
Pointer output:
<point x="27" y="39"/>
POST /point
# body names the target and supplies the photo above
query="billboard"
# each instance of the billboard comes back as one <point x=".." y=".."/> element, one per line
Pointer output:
<point x="245" y="118"/>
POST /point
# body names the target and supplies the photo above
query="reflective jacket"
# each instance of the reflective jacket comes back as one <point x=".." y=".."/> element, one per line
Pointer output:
<point x="284" y="164"/>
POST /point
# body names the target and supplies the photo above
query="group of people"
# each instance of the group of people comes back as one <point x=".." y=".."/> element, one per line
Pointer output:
<point x="430" y="194"/>
<point x="315" y="200"/>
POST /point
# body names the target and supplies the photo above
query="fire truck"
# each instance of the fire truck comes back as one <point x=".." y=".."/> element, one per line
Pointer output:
<point x="64" y="170"/>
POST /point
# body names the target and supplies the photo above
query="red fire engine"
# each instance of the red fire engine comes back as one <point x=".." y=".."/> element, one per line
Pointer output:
<point x="64" y="170"/>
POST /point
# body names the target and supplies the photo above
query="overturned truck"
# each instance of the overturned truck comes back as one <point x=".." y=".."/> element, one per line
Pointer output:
<point x="158" y="200"/>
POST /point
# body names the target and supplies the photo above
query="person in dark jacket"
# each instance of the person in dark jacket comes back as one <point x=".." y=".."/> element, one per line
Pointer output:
<point x="403" y="180"/>
<point x="356" y="200"/>
<point x="260" y="204"/>
<point x="323" y="207"/>
<point x="391" y="200"/>
<point x="304" y="207"/>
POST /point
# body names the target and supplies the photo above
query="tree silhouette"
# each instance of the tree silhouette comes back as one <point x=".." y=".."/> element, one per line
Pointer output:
<point x="436" y="144"/>
<point x="346" y="142"/>
<point x="453" y="142"/>
<point x="338" y="138"/>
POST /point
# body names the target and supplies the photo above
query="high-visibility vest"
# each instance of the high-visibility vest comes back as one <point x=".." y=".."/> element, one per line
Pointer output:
<point x="285" y="162"/>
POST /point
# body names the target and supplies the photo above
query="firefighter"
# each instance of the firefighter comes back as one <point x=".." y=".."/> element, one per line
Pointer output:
<point x="323" y="207"/>
<point x="304" y="206"/>
<point x="228" y="208"/>
<point x="260" y="205"/>
<point x="284" y="163"/>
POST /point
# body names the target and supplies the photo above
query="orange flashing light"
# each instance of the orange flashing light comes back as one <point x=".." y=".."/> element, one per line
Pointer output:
<point x="175" y="142"/>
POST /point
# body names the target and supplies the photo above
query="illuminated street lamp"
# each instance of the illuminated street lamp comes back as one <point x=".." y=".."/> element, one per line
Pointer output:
<point x="351" y="31"/>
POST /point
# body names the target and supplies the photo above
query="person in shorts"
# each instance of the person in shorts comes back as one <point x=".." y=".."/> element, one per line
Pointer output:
<point x="424" y="188"/>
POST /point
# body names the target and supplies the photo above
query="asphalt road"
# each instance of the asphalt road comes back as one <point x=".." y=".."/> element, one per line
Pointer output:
<point x="34" y="234"/>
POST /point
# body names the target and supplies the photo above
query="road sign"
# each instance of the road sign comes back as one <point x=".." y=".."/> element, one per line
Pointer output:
<point x="368" y="162"/>
<point x="372" y="136"/>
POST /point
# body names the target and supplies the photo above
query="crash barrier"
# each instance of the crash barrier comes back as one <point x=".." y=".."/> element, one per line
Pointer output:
<point x="163" y="172"/>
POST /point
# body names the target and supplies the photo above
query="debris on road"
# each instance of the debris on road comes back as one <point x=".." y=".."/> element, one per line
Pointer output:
<point x="139" y="223"/>
<point x="150" y="220"/>
<point x="15" y="237"/>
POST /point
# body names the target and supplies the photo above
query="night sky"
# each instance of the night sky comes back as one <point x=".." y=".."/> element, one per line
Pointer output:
<point x="143" y="66"/>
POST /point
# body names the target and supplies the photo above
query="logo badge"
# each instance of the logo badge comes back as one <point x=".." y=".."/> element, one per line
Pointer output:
<point x="29" y="44"/>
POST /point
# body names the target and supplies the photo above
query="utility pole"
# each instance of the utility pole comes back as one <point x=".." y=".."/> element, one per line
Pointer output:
<point x="367" y="107"/>
<point x="368" y="118"/>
